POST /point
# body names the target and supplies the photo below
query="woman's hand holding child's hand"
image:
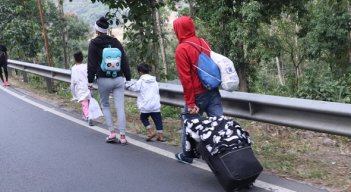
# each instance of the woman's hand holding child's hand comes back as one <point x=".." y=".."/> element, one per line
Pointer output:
<point x="127" y="84"/>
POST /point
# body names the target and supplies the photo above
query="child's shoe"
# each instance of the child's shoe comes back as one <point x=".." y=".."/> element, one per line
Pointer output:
<point x="90" y="122"/>
<point x="150" y="133"/>
<point x="160" y="138"/>
<point x="123" y="139"/>
<point x="111" y="138"/>
<point x="150" y="136"/>
<point x="7" y="83"/>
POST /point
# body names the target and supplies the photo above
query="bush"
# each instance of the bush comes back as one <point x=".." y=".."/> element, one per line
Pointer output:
<point x="326" y="88"/>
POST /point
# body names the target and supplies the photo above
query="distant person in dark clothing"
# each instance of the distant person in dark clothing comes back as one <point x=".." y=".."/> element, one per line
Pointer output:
<point x="3" y="65"/>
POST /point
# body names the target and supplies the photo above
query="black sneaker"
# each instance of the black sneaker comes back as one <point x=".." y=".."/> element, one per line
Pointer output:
<point x="181" y="158"/>
<point x="90" y="122"/>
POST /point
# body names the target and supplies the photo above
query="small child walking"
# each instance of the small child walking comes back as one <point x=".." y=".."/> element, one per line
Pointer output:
<point x="79" y="85"/>
<point x="148" y="101"/>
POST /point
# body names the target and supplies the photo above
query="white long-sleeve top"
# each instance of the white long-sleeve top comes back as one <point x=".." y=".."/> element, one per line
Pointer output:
<point x="148" y="93"/>
<point x="79" y="82"/>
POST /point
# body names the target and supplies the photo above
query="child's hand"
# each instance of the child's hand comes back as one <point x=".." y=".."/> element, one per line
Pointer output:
<point x="127" y="84"/>
<point x="90" y="86"/>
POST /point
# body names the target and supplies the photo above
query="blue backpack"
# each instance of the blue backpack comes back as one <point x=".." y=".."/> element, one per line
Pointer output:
<point x="111" y="61"/>
<point x="207" y="69"/>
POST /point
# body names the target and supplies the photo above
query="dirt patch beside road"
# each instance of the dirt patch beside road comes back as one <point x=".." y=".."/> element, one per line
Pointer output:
<point x="317" y="158"/>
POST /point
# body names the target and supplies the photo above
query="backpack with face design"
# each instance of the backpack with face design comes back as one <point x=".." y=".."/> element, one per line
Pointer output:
<point x="111" y="61"/>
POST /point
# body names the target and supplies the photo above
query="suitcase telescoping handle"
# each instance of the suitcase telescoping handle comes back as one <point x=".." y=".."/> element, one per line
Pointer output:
<point x="186" y="115"/>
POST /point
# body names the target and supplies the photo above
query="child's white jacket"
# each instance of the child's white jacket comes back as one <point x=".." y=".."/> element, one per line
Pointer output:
<point x="148" y="93"/>
<point x="79" y="82"/>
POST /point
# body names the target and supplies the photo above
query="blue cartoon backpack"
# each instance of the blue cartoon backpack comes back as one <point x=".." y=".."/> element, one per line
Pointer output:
<point x="207" y="69"/>
<point x="111" y="61"/>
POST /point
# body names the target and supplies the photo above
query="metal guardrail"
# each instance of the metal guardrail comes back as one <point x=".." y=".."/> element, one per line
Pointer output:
<point x="320" y="116"/>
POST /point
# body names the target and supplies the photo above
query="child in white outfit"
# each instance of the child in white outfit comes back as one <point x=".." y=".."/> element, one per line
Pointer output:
<point x="79" y="85"/>
<point x="148" y="101"/>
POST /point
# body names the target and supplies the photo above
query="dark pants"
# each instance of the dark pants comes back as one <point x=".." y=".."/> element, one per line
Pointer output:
<point x="3" y="66"/>
<point x="155" y="116"/>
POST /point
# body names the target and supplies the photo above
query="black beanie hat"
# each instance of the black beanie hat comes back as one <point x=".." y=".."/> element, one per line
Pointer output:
<point x="101" y="25"/>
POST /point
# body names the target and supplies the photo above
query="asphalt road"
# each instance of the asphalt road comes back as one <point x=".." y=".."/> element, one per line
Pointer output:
<point x="43" y="148"/>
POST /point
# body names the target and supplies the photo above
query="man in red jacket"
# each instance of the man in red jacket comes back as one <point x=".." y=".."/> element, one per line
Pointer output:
<point x="197" y="98"/>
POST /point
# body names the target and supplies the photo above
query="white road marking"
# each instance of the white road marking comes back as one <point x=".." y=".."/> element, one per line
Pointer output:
<point x="198" y="164"/>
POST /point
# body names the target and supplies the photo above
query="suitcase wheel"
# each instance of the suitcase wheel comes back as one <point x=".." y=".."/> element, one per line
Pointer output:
<point x="249" y="186"/>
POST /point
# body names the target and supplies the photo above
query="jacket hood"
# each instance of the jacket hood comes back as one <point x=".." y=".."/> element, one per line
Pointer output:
<point x="148" y="78"/>
<point x="184" y="28"/>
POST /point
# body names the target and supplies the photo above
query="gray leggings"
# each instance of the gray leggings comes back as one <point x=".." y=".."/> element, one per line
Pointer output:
<point x="116" y="86"/>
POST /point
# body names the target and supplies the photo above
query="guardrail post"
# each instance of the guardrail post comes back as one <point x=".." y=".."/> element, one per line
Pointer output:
<point x="9" y="71"/>
<point x="24" y="77"/>
<point x="49" y="85"/>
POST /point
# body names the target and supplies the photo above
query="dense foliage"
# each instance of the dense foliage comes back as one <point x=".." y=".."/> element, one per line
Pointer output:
<point x="22" y="32"/>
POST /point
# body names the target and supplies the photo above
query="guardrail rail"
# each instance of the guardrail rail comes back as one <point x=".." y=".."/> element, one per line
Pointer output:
<point x="320" y="116"/>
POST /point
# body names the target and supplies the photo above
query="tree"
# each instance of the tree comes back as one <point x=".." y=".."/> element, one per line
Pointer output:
<point x="21" y="31"/>
<point x="290" y="48"/>
<point x="232" y="28"/>
<point x="327" y="34"/>
<point x="20" y="28"/>
<point x="44" y="33"/>
<point x="64" y="32"/>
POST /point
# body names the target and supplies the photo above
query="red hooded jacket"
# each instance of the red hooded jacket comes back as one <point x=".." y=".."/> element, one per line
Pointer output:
<point x="186" y="55"/>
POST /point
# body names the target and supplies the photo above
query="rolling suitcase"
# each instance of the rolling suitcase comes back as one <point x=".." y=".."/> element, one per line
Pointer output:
<point x="234" y="169"/>
<point x="225" y="147"/>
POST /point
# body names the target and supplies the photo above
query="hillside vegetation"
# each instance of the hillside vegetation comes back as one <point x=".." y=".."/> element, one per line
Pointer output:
<point x="85" y="10"/>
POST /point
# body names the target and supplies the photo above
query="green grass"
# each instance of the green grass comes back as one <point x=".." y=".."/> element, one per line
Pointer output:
<point x="171" y="122"/>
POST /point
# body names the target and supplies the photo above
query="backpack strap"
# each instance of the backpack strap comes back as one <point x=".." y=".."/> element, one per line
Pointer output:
<point x="197" y="46"/>
<point x="207" y="73"/>
<point x="208" y="47"/>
